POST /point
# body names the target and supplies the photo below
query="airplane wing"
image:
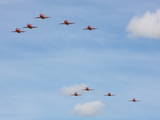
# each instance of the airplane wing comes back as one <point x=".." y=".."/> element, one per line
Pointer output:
<point x="22" y="31"/>
<point x="113" y="95"/>
<point x="25" y="27"/>
<point x="13" y="31"/>
<point x="34" y="27"/>
<point x="71" y="23"/>
<point x="47" y="17"/>
<point x="91" y="89"/>
<point x="94" y="28"/>
<point x="76" y="95"/>
<point x="137" y="100"/>
<point x="106" y="95"/>
<point x="62" y="23"/>
<point x="85" y="29"/>
<point x="37" y="17"/>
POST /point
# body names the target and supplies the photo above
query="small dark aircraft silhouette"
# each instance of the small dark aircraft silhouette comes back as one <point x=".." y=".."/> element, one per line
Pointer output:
<point x="42" y="16"/>
<point x="134" y="100"/>
<point x="87" y="88"/>
<point x="89" y="28"/>
<point x="66" y="22"/>
<point x="30" y="26"/>
<point x="109" y="94"/>
<point x="76" y="94"/>
<point x="18" y="30"/>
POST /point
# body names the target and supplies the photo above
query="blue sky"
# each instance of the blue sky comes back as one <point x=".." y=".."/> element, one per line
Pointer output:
<point x="35" y="65"/>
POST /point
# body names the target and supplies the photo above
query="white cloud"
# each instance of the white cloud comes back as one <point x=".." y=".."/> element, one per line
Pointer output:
<point x="72" y="89"/>
<point x="88" y="109"/>
<point x="147" y="25"/>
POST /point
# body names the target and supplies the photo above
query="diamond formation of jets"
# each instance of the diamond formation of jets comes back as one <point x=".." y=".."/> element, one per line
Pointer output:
<point x="66" y="22"/>
<point x="109" y="94"/>
<point x="42" y="16"/>
<point x="30" y="26"/>
<point x="89" y="28"/>
<point x="18" y="30"/>
<point x="76" y="94"/>
<point x="87" y="89"/>
<point x="134" y="100"/>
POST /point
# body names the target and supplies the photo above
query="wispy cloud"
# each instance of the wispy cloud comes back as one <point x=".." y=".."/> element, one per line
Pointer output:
<point x="147" y="25"/>
<point x="89" y="109"/>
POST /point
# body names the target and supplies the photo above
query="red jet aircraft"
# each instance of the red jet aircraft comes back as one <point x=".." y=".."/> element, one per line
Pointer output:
<point x="66" y="22"/>
<point x="89" y="28"/>
<point x="134" y="100"/>
<point x="109" y="94"/>
<point x="30" y="26"/>
<point x="76" y="94"/>
<point x="87" y="88"/>
<point x="42" y="16"/>
<point x="18" y="30"/>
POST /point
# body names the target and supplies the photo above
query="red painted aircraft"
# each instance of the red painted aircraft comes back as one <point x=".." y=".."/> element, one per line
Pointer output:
<point x="30" y="26"/>
<point x="42" y="16"/>
<point x="89" y="28"/>
<point x="109" y="94"/>
<point x="87" y="88"/>
<point x="18" y="30"/>
<point x="76" y="94"/>
<point x="66" y="22"/>
<point x="134" y="100"/>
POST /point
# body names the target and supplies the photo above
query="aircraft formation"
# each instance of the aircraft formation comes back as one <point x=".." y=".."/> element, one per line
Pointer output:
<point x="41" y="16"/>
<point x="109" y="94"/>
<point x="66" y="22"/>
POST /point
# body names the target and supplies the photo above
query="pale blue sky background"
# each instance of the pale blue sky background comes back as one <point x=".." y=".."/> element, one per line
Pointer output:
<point x="35" y="65"/>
